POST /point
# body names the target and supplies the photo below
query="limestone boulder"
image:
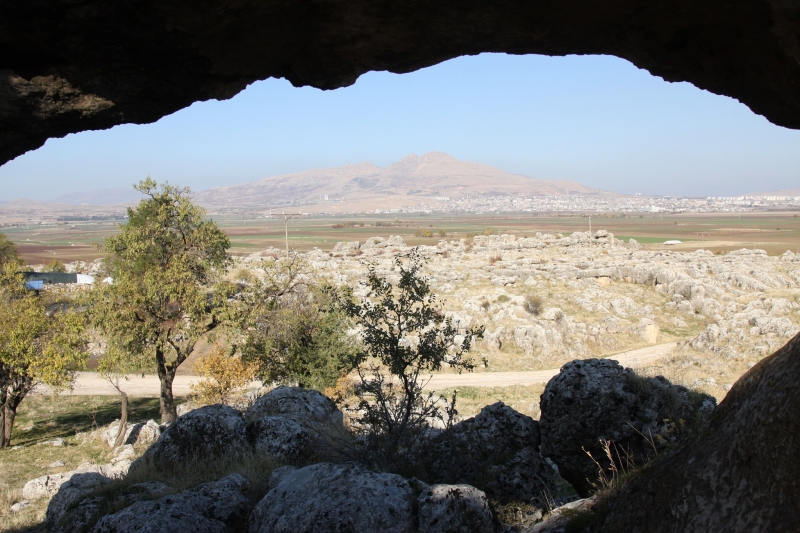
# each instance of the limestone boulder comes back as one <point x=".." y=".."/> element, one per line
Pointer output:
<point x="740" y="473"/>
<point x="72" y="509"/>
<point x="144" y="433"/>
<point x="49" y="485"/>
<point x="596" y="401"/>
<point x="334" y="498"/>
<point x="309" y="408"/>
<point x="281" y="438"/>
<point x="453" y="509"/>
<point x="648" y="330"/>
<point x="396" y="241"/>
<point x="141" y="433"/>
<point x="207" y="433"/>
<point x="497" y="452"/>
<point x="216" y="507"/>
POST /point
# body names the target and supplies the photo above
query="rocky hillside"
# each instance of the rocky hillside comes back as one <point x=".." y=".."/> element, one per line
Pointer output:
<point x="594" y="295"/>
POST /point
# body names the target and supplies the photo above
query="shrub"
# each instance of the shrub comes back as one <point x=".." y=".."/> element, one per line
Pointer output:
<point x="395" y="413"/>
<point x="503" y="298"/>
<point x="243" y="275"/>
<point x="533" y="304"/>
<point x="427" y="233"/>
<point x="8" y="250"/>
<point x="443" y="233"/>
<point x="489" y="231"/>
<point x="494" y="259"/>
<point x="224" y="376"/>
<point x="55" y="266"/>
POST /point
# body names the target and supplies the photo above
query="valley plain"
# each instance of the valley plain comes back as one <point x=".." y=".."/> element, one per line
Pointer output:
<point x="40" y="241"/>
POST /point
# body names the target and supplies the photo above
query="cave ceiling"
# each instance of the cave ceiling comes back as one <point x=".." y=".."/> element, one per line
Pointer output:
<point x="73" y="65"/>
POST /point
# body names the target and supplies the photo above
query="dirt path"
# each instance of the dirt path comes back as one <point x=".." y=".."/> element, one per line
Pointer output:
<point x="634" y="358"/>
<point x="90" y="383"/>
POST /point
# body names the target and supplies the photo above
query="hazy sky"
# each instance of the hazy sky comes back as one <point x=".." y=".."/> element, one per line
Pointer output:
<point x="597" y="120"/>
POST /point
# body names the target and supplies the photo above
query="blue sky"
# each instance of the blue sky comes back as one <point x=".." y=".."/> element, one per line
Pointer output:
<point x="594" y="119"/>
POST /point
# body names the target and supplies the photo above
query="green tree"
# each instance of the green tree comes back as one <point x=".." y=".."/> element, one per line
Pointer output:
<point x="295" y="331"/>
<point x="405" y="333"/>
<point x="163" y="298"/>
<point x="8" y="250"/>
<point x="36" y="346"/>
<point x="55" y="266"/>
<point x="114" y="365"/>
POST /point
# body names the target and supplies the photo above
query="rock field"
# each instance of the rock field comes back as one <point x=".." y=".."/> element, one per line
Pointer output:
<point x="599" y="295"/>
<point x="544" y="300"/>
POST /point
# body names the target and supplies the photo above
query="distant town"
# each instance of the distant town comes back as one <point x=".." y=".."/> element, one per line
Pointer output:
<point x="605" y="204"/>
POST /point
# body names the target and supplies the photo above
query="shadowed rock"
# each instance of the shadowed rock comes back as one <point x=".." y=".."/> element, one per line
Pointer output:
<point x="454" y="508"/>
<point x="740" y="474"/>
<point x="208" y="433"/>
<point x="595" y="400"/>
<point x="216" y="507"/>
<point x="497" y="452"/>
<point x="329" y="498"/>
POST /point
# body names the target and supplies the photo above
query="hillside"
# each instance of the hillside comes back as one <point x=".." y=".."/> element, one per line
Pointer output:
<point x="412" y="180"/>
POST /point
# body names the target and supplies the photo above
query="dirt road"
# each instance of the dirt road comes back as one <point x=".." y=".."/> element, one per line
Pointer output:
<point x="90" y="383"/>
<point x="634" y="358"/>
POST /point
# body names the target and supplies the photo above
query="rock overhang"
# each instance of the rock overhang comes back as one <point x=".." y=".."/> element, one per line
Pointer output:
<point x="85" y="64"/>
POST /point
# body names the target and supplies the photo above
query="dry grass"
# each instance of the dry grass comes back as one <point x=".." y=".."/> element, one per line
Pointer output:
<point x="523" y="398"/>
<point x="41" y="419"/>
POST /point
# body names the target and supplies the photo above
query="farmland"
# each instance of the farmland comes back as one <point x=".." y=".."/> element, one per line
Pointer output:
<point x="773" y="232"/>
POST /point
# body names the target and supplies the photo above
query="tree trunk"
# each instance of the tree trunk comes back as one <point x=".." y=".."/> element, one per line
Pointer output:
<point x="10" y="415"/>
<point x="123" y="420"/>
<point x="3" y="442"/>
<point x="3" y="396"/>
<point x="166" y="375"/>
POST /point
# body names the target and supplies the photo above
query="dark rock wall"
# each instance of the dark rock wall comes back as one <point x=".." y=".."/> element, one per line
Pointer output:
<point x="73" y="65"/>
<point x="741" y="474"/>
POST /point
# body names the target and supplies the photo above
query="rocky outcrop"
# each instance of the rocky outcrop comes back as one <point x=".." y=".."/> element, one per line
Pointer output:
<point x="281" y="438"/>
<point x="330" y="498"/>
<point x="739" y="474"/>
<point x="309" y="408"/>
<point x="454" y="508"/>
<point x="69" y="66"/>
<point x="71" y="508"/>
<point x="211" y="432"/>
<point x="595" y="401"/>
<point x="141" y="433"/>
<point x="497" y="452"/>
<point x="567" y="518"/>
<point x="215" y="507"/>
<point x="49" y="485"/>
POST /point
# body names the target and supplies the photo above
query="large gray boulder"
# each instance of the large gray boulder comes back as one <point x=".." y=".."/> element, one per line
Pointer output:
<point x="207" y="433"/>
<point x="454" y="509"/>
<point x="307" y="407"/>
<point x="215" y="507"/>
<point x="497" y="452"/>
<point x="71" y="507"/>
<point x="594" y="401"/>
<point x="281" y="438"/>
<point x="331" y="498"/>
<point x="740" y="473"/>
<point x="49" y="485"/>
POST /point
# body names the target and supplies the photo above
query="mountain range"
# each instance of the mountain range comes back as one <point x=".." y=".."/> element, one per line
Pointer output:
<point x="412" y="180"/>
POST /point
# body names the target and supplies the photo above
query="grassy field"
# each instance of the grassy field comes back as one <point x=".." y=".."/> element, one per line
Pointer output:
<point x="41" y="419"/>
<point x="774" y="232"/>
